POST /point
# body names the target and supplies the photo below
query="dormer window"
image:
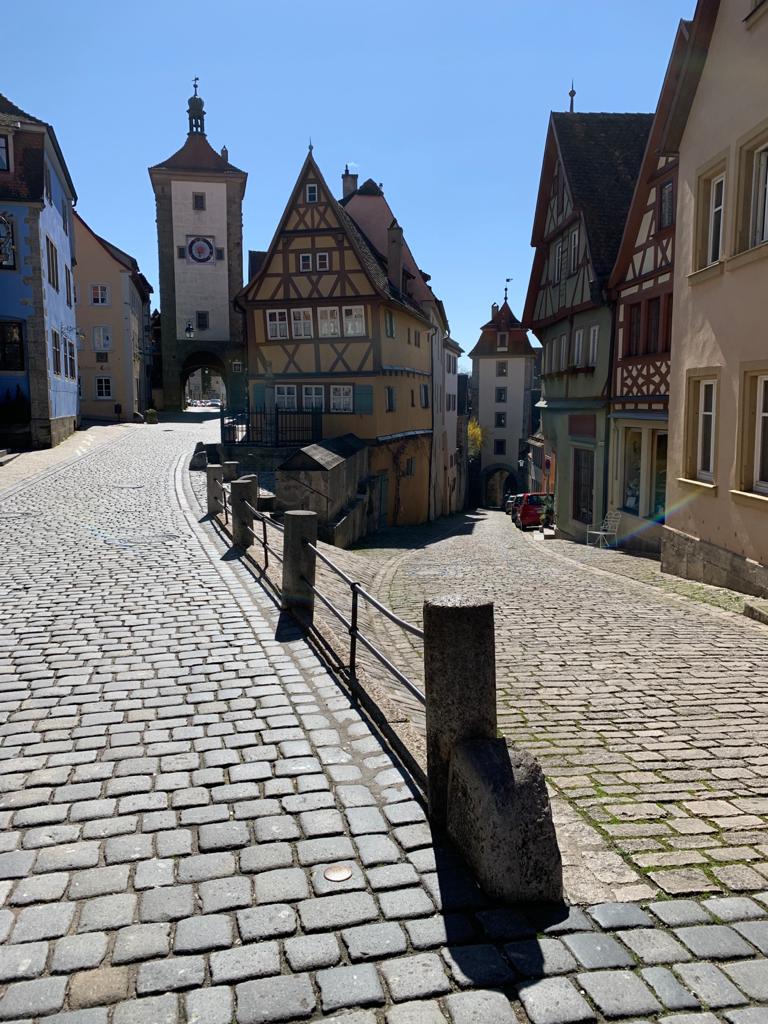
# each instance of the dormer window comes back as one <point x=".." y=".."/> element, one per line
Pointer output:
<point x="502" y="341"/>
<point x="311" y="192"/>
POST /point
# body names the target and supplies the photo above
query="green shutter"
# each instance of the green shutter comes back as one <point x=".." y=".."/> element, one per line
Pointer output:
<point x="364" y="398"/>
<point x="258" y="400"/>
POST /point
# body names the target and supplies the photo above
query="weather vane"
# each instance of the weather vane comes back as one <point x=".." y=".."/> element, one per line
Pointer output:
<point x="507" y="280"/>
<point x="195" y="80"/>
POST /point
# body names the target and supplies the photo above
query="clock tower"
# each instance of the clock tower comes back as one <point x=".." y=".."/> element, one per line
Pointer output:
<point x="199" y="196"/>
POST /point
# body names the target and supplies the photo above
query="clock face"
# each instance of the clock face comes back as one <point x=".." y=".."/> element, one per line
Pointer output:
<point x="200" y="250"/>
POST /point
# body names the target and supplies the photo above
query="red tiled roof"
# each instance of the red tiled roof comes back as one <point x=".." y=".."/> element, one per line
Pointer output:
<point x="197" y="154"/>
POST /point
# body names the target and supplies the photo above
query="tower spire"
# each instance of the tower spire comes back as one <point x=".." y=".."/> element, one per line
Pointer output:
<point x="196" y="111"/>
<point x="572" y="94"/>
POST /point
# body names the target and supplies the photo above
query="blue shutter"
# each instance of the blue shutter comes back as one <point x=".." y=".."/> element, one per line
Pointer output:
<point x="258" y="400"/>
<point x="363" y="398"/>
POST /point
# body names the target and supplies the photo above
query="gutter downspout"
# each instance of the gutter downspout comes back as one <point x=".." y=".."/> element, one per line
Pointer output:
<point x="607" y="429"/>
<point x="431" y="502"/>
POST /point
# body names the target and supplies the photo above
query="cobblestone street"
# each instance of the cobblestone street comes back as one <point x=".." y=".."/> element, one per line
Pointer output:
<point x="178" y="770"/>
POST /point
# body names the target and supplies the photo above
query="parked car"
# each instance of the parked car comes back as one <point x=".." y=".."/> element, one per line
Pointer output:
<point x="509" y="500"/>
<point x="515" y="503"/>
<point x="528" y="512"/>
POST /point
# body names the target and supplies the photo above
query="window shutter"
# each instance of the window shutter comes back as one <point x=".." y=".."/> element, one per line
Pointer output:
<point x="363" y="398"/>
<point x="259" y="400"/>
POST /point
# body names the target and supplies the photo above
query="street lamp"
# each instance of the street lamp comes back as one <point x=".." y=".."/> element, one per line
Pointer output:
<point x="189" y="331"/>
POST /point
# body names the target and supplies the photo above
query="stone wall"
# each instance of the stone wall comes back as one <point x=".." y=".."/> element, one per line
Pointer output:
<point x="694" y="559"/>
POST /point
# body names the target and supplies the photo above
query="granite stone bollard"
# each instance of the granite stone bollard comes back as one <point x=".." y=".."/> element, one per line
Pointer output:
<point x="300" y="527"/>
<point x="500" y="818"/>
<point x="244" y="492"/>
<point x="491" y="798"/>
<point x="460" y="686"/>
<point x="199" y="458"/>
<point x="231" y="470"/>
<point x="214" y="476"/>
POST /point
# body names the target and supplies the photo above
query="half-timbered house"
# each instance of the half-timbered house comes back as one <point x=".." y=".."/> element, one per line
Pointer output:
<point x="588" y="176"/>
<point x="338" y="344"/>
<point x="641" y="283"/>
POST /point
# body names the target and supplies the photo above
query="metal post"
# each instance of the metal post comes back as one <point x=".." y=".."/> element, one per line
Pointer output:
<point x="244" y="490"/>
<point x="230" y="471"/>
<point x="300" y="527"/>
<point x="264" y="541"/>
<point x="459" y="685"/>
<point x="213" y="478"/>
<point x="353" y="642"/>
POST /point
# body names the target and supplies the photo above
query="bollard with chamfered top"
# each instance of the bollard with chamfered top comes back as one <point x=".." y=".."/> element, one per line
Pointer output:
<point x="459" y="684"/>
<point x="230" y="470"/>
<point x="214" y="476"/>
<point x="244" y="490"/>
<point x="300" y="528"/>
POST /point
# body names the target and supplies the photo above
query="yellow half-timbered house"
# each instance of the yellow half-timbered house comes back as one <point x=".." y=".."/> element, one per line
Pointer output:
<point x="338" y="344"/>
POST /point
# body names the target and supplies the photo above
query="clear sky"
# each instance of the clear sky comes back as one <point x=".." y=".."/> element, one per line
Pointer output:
<point x="445" y="102"/>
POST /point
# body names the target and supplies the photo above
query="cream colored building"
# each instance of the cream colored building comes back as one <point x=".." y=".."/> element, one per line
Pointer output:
<point x="717" y="491"/>
<point x="112" y="307"/>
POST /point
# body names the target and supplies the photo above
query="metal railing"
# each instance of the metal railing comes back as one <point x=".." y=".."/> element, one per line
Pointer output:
<point x="352" y="624"/>
<point x="262" y="540"/>
<point x="282" y="428"/>
<point x="225" y="501"/>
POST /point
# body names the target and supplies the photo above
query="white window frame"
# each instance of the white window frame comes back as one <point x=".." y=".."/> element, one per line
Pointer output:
<point x="277" y="328"/>
<point x="313" y="397"/>
<point x="237" y="366"/>
<point x="302" y="325"/>
<point x="285" y="397"/>
<point x="102" y="298"/>
<point x="342" y="397"/>
<point x="578" y="346"/>
<point x="574" y="250"/>
<point x="311" y="192"/>
<point x="563" y="351"/>
<point x="701" y="473"/>
<point x="594" y="341"/>
<point x="389" y="323"/>
<point x="352" y="317"/>
<point x="305" y="262"/>
<point x="102" y="338"/>
<point x="713" y="210"/>
<point x="99" y="384"/>
<point x="323" y="261"/>
<point x="760" y="198"/>
<point x="328" y="322"/>
<point x="558" y="262"/>
<point x="759" y="485"/>
<point x="502" y="341"/>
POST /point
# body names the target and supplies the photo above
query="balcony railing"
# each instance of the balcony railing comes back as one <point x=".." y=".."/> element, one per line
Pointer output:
<point x="279" y="429"/>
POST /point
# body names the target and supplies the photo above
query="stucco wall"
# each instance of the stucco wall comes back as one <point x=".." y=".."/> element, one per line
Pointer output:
<point x="719" y="314"/>
<point x="201" y="286"/>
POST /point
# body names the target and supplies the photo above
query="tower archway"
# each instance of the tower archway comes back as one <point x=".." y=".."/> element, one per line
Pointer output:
<point x="204" y="377"/>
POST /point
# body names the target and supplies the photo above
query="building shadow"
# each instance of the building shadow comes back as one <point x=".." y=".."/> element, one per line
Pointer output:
<point x="395" y="538"/>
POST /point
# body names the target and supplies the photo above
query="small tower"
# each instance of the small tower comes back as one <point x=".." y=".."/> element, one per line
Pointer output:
<point x="199" y="195"/>
<point x="572" y="95"/>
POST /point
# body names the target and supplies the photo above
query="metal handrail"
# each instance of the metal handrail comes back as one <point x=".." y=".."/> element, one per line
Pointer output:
<point x="351" y="624"/>
<point x="266" y="519"/>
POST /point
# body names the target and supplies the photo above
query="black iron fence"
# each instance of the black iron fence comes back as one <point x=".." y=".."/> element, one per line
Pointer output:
<point x="283" y="428"/>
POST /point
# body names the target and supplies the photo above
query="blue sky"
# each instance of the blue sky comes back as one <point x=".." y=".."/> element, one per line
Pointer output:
<point x="444" y="102"/>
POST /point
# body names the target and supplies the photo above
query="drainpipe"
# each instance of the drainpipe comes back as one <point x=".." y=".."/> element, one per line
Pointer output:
<point x="430" y="503"/>
<point x="607" y="429"/>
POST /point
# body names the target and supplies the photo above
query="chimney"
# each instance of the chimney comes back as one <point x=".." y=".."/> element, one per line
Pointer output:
<point x="395" y="255"/>
<point x="348" y="182"/>
<point x="225" y="153"/>
<point x="494" y="309"/>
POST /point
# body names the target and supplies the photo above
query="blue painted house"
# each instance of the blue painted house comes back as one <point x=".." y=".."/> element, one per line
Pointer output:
<point x="38" y="336"/>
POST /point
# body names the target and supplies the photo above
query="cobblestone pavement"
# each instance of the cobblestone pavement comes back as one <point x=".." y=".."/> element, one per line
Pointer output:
<point x="77" y="445"/>
<point x="177" y="770"/>
<point x="648" y="710"/>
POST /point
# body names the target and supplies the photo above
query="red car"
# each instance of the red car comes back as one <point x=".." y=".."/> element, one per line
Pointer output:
<point x="528" y="512"/>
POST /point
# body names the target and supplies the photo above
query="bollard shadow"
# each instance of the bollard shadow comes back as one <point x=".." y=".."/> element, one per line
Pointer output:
<point x="289" y="628"/>
<point x="490" y="944"/>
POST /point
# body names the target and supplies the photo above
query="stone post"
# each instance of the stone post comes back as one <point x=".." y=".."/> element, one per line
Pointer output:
<point x="230" y="470"/>
<point x="459" y="684"/>
<point x="246" y="489"/>
<point x="214" y="476"/>
<point x="299" y="563"/>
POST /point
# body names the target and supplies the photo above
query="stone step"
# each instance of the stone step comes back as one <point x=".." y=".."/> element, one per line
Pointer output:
<point x="6" y="456"/>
